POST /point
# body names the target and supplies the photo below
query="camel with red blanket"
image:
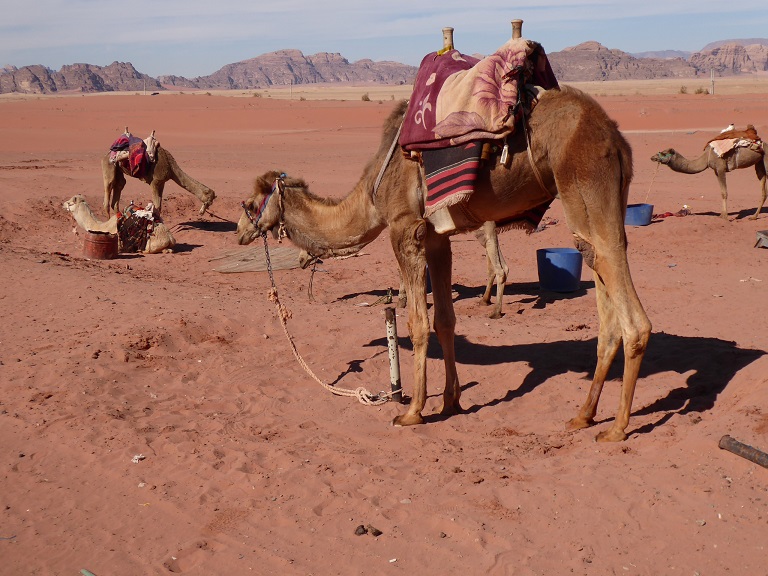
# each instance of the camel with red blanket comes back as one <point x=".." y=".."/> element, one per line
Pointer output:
<point x="151" y="163"/>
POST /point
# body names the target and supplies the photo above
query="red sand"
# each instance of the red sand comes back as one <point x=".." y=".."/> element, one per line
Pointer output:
<point x="251" y="467"/>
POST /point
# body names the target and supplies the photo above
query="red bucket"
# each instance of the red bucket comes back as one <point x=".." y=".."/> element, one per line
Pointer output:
<point x="100" y="245"/>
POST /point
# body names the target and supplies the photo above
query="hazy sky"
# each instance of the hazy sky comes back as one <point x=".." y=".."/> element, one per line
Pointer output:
<point x="194" y="38"/>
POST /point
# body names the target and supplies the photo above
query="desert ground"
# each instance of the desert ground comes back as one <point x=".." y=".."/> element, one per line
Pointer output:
<point x="154" y="420"/>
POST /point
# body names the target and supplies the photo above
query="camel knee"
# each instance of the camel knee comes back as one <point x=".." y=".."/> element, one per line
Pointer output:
<point x="636" y="341"/>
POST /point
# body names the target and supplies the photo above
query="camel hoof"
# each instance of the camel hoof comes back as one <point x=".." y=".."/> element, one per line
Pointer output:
<point x="451" y="409"/>
<point x="579" y="423"/>
<point x="611" y="435"/>
<point x="495" y="315"/>
<point x="408" y="419"/>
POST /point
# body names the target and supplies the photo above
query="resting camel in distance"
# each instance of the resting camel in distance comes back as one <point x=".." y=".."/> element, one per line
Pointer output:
<point x="579" y="153"/>
<point x="739" y="157"/>
<point x="160" y="240"/>
<point x="161" y="168"/>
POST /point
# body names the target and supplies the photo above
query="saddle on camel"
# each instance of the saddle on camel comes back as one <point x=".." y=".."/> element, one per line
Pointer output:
<point x="460" y="115"/>
<point x="132" y="153"/>
<point x="731" y="138"/>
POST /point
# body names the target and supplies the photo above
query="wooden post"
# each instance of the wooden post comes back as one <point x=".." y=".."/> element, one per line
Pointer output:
<point x="394" y="355"/>
<point x="447" y="38"/>
<point x="517" y="28"/>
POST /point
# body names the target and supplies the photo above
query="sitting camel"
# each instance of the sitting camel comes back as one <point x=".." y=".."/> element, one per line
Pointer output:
<point x="738" y="157"/>
<point x="160" y="240"/>
<point x="592" y="178"/>
<point x="161" y="167"/>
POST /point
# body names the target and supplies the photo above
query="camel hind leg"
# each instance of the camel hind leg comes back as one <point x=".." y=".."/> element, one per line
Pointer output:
<point x="760" y="169"/>
<point x="598" y="227"/>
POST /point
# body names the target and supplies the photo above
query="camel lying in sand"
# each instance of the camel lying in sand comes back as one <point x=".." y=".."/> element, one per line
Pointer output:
<point x="160" y="240"/>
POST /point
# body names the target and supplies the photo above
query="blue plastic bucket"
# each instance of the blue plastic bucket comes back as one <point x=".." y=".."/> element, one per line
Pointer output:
<point x="638" y="215"/>
<point x="559" y="269"/>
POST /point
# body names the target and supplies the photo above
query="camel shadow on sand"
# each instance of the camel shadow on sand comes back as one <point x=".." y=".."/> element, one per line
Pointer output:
<point x="202" y="226"/>
<point x="711" y="362"/>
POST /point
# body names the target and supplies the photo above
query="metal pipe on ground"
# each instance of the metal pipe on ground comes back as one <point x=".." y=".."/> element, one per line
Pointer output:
<point x="740" y="449"/>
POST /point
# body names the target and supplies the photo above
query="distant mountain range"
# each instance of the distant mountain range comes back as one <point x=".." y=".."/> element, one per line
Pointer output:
<point x="588" y="61"/>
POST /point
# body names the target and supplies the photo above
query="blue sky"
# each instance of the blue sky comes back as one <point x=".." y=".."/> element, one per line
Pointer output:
<point x="194" y="38"/>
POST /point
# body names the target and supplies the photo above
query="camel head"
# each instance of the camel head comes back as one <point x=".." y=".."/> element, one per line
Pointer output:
<point x="74" y="203"/>
<point x="263" y="211"/>
<point x="153" y="145"/>
<point x="664" y="157"/>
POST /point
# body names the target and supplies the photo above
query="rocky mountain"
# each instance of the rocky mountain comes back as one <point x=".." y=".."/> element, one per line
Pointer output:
<point x="586" y="62"/>
<point x="36" y="79"/>
<point x="286" y="67"/>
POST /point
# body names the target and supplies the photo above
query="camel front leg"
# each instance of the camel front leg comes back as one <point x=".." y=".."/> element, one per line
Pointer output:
<point x="114" y="182"/>
<point x="408" y="244"/>
<point x="497" y="267"/>
<point x="723" y="194"/>
<point x="157" y="194"/>
<point x="439" y="259"/>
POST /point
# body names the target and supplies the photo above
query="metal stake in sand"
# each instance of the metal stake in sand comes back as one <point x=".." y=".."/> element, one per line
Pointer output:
<point x="394" y="355"/>
<point x="751" y="454"/>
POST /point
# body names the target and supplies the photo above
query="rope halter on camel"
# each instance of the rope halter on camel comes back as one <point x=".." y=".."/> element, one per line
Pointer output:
<point x="363" y="395"/>
<point x="278" y="186"/>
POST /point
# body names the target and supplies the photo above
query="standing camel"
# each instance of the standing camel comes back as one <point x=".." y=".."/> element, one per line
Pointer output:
<point x="739" y="157"/>
<point x="160" y="169"/>
<point x="579" y="154"/>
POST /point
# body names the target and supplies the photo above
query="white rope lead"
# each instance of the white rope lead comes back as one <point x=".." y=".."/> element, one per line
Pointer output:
<point x="361" y="393"/>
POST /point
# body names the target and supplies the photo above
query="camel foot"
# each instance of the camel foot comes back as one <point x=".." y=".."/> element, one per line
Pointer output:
<point x="611" y="435"/>
<point x="579" y="423"/>
<point x="495" y="315"/>
<point x="451" y="409"/>
<point x="408" y="419"/>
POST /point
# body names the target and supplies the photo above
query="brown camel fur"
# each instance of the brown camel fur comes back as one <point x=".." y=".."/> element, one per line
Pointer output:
<point x="739" y="157"/>
<point x="158" y="172"/>
<point x="160" y="240"/>
<point x="579" y="153"/>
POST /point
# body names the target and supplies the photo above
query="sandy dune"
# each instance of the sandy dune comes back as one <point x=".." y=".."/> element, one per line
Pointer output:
<point x="153" y="419"/>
